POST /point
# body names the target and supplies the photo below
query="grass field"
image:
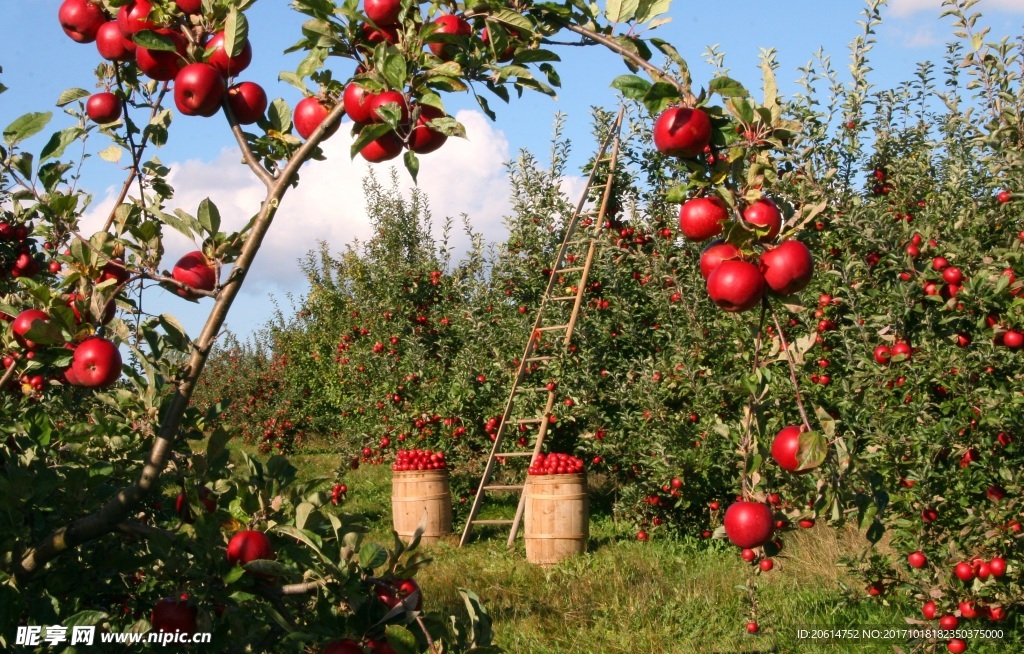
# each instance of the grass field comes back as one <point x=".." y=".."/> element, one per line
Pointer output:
<point x="659" y="596"/>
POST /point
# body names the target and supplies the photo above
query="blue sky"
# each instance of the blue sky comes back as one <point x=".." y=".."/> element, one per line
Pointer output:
<point x="466" y="177"/>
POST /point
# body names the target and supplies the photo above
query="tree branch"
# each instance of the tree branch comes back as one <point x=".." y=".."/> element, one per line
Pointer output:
<point x="116" y="509"/>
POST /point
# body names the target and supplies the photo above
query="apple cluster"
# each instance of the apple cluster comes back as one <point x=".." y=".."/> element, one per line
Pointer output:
<point x="95" y="361"/>
<point x="736" y="279"/>
<point x="406" y="460"/>
<point x="18" y="256"/>
<point x="555" y="463"/>
<point x="199" y="63"/>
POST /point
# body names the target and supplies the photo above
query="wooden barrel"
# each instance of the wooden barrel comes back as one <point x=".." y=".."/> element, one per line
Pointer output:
<point x="421" y="495"/>
<point x="557" y="517"/>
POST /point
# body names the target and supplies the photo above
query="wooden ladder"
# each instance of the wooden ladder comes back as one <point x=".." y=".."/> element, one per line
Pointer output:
<point x="601" y="177"/>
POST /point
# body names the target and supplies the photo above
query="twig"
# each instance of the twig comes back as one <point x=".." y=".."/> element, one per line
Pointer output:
<point x="792" y="367"/>
<point x="145" y="531"/>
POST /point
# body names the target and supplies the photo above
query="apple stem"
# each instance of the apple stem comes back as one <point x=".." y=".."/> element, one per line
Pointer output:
<point x="792" y="365"/>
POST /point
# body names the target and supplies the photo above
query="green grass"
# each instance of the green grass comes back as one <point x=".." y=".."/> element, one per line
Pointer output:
<point x="627" y="596"/>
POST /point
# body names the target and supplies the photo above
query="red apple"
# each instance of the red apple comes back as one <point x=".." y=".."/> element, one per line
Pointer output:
<point x="248" y="102"/>
<point x="386" y="34"/>
<point x="112" y="44"/>
<point x="1013" y="339"/>
<point x="115" y="270"/>
<point x="964" y="572"/>
<point x="191" y="7"/>
<point x="388" y="97"/>
<point x="81" y="20"/>
<point x="786" y="448"/>
<point x="103" y="108"/>
<point x="917" y="559"/>
<point x="752" y="627"/>
<point x="309" y="113"/>
<point x="357" y="103"/>
<point x="948" y="622"/>
<point x="939" y="264"/>
<point x="382" y="12"/>
<point x="1004" y="196"/>
<point x="956" y="646"/>
<point x="764" y="213"/>
<point x="736" y="285"/>
<point x="787" y="268"/>
<point x="219" y="59"/>
<point x="929" y="515"/>
<point x="380" y="646"/>
<point x="883" y="354"/>
<point x="968" y="610"/>
<point x="749" y="524"/>
<point x="423" y="139"/>
<point x="133" y="17"/>
<point x="715" y="254"/>
<point x="195" y="270"/>
<point x="952" y="275"/>
<point x="23" y="322"/>
<point x="384" y="148"/>
<point x="998" y="566"/>
<point x="198" y="90"/>
<point x="173" y="615"/>
<point x="247" y="546"/>
<point x="96" y="363"/>
<point x="160" y="64"/>
<point x="453" y="26"/>
<point x="682" y="132"/>
<point x="928" y="610"/>
<point x="395" y="591"/>
<point x="702" y="218"/>
<point x="901" y="351"/>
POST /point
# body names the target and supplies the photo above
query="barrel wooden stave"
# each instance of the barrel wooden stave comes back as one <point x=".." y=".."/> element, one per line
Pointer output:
<point x="556" y="518"/>
<point x="419" y="493"/>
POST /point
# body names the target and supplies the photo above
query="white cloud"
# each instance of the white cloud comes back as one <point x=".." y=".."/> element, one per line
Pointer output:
<point x="465" y="176"/>
<point x="908" y="7"/>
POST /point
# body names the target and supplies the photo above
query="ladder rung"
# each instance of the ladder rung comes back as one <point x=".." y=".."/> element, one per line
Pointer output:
<point x="563" y="298"/>
<point x="552" y="328"/>
<point x="504" y="488"/>
<point x="543" y="358"/>
<point x="514" y="454"/>
<point x="581" y="240"/>
<point x="573" y="269"/>
<point x="531" y="390"/>
<point x="492" y="522"/>
<point x="529" y="421"/>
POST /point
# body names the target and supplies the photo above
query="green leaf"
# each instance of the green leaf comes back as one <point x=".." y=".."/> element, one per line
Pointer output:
<point x="112" y="154"/>
<point x="812" y="452"/>
<point x="218" y="442"/>
<point x="209" y="216"/>
<point x="649" y="9"/>
<point x="26" y="126"/>
<point x="236" y="32"/>
<point x="152" y="41"/>
<point x="59" y="142"/>
<point x="528" y="56"/>
<point x="660" y="96"/>
<point x="631" y="86"/>
<point x="280" y="115"/>
<point x="677" y="194"/>
<point x="412" y="164"/>
<point x="176" y="333"/>
<point x="302" y="513"/>
<point x="70" y="95"/>
<point x="294" y="80"/>
<point x="394" y="69"/>
<point x="621" y="11"/>
<point x="401" y="639"/>
<point x="513" y="19"/>
<point x="727" y="88"/>
<point x="372" y="555"/>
